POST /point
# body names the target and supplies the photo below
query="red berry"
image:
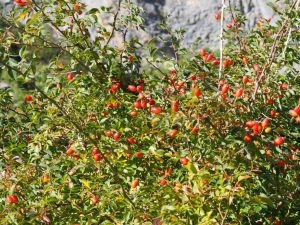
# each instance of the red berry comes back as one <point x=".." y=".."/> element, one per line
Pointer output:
<point x="70" y="76"/>
<point x="172" y="133"/>
<point x="151" y="101"/>
<point x="115" y="87"/>
<point x="139" y="154"/>
<point x="278" y="141"/>
<point x="284" y="87"/>
<point x="245" y="79"/>
<point x="21" y="3"/>
<point x="110" y="105"/>
<point x="244" y="60"/>
<point x="195" y="130"/>
<point x="131" y="140"/>
<point x="197" y="92"/>
<point x="218" y="15"/>
<point x="11" y="199"/>
<point x="95" y="151"/>
<point x="97" y="157"/>
<point x="173" y="72"/>
<point x="137" y="105"/>
<point x="293" y="113"/>
<point x="94" y="200"/>
<point x="248" y="138"/>
<point x="117" y="136"/>
<point x="70" y="151"/>
<point x="139" y="88"/>
<point x="239" y="93"/>
<point x="131" y="88"/>
<point x="225" y="88"/>
<point x="156" y="110"/>
<point x="134" y="183"/>
<point x="216" y="62"/>
<point x="133" y="113"/>
<point x="109" y="133"/>
<point x="163" y="182"/>
<point x="202" y="52"/>
<point x="184" y="161"/>
<point x="28" y="98"/>
<point x="229" y="25"/>
<point x="209" y="57"/>
<point x="265" y="123"/>
<point x="297" y="110"/>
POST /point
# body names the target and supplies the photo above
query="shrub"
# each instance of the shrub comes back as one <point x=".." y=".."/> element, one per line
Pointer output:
<point x="130" y="135"/>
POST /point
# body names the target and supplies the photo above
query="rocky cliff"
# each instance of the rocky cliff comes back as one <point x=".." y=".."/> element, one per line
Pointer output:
<point x="196" y="17"/>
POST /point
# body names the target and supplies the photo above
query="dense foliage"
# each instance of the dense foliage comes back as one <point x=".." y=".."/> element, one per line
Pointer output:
<point x="126" y="134"/>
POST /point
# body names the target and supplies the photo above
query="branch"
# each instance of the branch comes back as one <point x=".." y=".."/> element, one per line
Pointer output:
<point x="114" y="24"/>
<point x="271" y="57"/>
<point x="221" y="39"/>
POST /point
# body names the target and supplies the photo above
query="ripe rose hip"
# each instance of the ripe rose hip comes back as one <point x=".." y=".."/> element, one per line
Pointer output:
<point x="239" y="93"/>
<point x="70" y="151"/>
<point x="115" y="87"/>
<point x="278" y="141"/>
<point x="245" y="79"/>
<point x="70" y="76"/>
<point x="244" y="60"/>
<point x="134" y="183"/>
<point x="109" y="134"/>
<point x="131" y="88"/>
<point x="173" y="72"/>
<point x="229" y="25"/>
<point x="209" y="57"/>
<point x="172" y="133"/>
<point x="184" y="161"/>
<point x="284" y="87"/>
<point x="225" y="88"/>
<point x="216" y="62"/>
<point x="293" y="113"/>
<point x="265" y="123"/>
<point x="139" y="88"/>
<point x="195" y="130"/>
<point x="95" y="151"/>
<point x="11" y="199"/>
<point x="22" y="3"/>
<point x="94" y="200"/>
<point x="156" y="110"/>
<point x="139" y="154"/>
<point x="137" y="105"/>
<point x="117" y="136"/>
<point x="133" y="113"/>
<point x="218" y="15"/>
<point x="248" y="138"/>
<point x="97" y="157"/>
<point x="163" y="182"/>
<point x="131" y="140"/>
<point x="202" y="52"/>
<point x="197" y="92"/>
<point x="297" y="110"/>
<point x="28" y="98"/>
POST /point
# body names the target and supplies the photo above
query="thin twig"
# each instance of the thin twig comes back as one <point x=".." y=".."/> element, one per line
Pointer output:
<point x="114" y="23"/>
<point x="221" y="39"/>
<point x="271" y="57"/>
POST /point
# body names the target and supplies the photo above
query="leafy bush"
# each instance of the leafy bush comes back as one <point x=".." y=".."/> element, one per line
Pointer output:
<point x="126" y="134"/>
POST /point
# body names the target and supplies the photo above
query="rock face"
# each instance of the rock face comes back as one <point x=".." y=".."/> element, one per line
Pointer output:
<point x="196" y="17"/>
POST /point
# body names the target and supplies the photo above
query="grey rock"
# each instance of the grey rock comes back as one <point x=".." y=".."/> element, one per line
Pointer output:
<point x="196" y="17"/>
